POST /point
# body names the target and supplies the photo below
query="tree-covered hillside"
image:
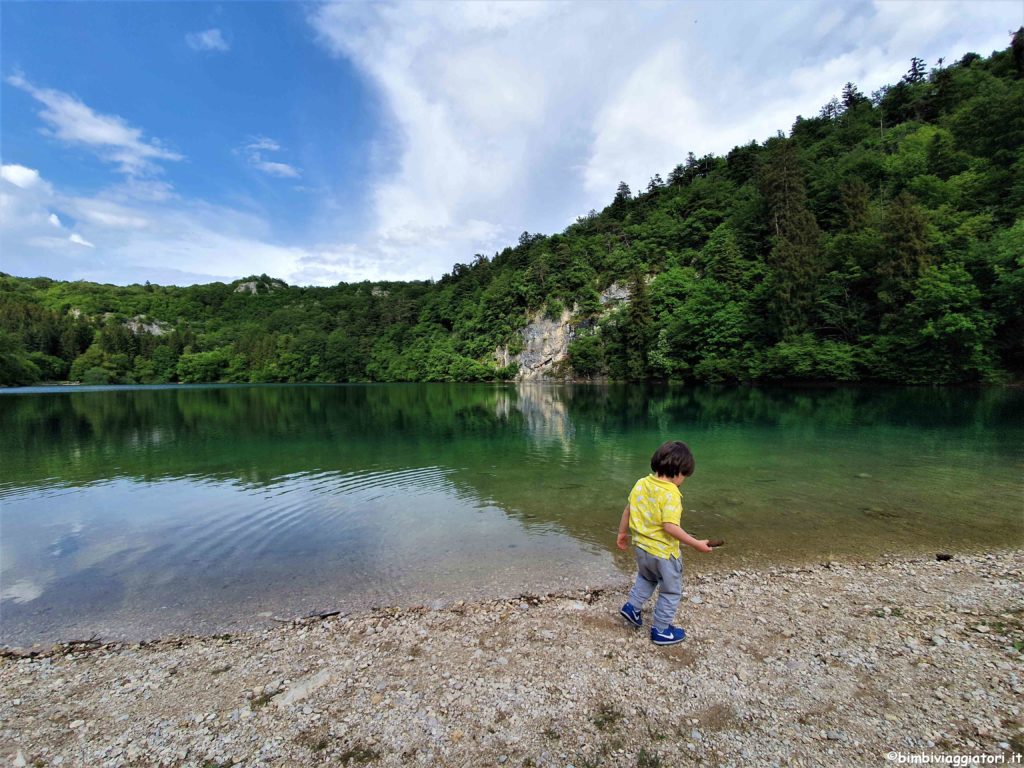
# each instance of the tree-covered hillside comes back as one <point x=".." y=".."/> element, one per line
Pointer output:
<point x="882" y="240"/>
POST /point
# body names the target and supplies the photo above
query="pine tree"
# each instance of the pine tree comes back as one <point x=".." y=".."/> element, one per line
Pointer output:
<point x="831" y="110"/>
<point x="916" y="72"/>
<point x="1017" y="47"/>
<point x="856" y="200"/>
<point x="638" y="328"/>
<point x="620" y="203"/>
<point x="906" y="249"/>
<point x="851" y="96"/>
<point x="796" y="259"/>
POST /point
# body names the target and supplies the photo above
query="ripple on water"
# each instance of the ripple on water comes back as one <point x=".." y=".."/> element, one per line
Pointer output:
<point x="255" y="520"/>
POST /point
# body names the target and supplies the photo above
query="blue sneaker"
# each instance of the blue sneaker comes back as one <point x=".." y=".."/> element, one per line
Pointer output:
<point x="670" y="635"/>
<point x="632" y="615"/>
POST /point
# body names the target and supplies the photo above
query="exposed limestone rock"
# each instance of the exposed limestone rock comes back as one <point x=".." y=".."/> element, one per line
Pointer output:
<point x="260" y="286"/>
<point x="545" y="344"/>
<point x="546" y="341"/>
<point x="614" y="294"/>
<point x="142" y="324"/>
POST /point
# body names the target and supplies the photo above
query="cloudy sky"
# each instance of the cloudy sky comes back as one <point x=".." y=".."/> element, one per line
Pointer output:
<point x="190" y="142"/>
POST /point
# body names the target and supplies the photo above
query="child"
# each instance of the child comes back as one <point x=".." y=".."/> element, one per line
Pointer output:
<point x="653" y="514"/>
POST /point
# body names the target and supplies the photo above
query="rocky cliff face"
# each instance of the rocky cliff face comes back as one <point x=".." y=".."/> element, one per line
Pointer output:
<point x="545" y="344"/>
<point x="256" y="287"/>
<point x="546" y="341"/>
<point x="142" y="324"/>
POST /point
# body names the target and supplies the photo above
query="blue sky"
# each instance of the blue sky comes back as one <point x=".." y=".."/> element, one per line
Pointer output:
<point x="188" y="142"/>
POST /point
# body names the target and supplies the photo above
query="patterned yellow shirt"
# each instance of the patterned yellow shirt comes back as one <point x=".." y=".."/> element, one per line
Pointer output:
<point x="653" y="502"/>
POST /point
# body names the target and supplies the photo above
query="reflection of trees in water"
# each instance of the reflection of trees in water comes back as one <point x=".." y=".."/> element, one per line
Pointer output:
<point x="649" y="404"/>
<point x="259" y="433"/>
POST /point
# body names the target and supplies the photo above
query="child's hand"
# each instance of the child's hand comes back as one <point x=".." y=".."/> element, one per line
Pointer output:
<point x="622" y="540"/>
<point x="701" y="545"/>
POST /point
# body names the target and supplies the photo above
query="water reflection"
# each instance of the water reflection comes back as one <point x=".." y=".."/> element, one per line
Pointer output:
<point x="189" y="508"/>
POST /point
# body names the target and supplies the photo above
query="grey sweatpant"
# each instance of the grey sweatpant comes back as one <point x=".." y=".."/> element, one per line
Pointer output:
<point x="654" y="572"/>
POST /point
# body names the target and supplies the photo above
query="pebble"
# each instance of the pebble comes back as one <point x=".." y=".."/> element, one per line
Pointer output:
<point x="490" y="682"/>
<point x="303" y="688"/>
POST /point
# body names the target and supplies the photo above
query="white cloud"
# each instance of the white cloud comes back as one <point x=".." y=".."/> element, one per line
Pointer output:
<point x="254" y="153"/>
<point x="163" y="240"/>
<point x="275" y="169"/>
<point x="522" y="116"/>
<point x="499" y="118"/>
<point x="54" y="219"/>
<point x="262" y="143"/>
<point x="20" y="176"/>
<point x="133" y="189"/>
<point x="106" y="213"/>
<point x="72" y="121"/>
<point x="207" y="40"/>
<point x="24" y="207"/>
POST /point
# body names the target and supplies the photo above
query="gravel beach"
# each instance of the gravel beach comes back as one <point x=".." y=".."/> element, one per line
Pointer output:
<point x="836" y="663"/>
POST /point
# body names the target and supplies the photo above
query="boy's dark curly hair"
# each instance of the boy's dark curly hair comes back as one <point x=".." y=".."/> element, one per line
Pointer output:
<point x="671" y="459"/>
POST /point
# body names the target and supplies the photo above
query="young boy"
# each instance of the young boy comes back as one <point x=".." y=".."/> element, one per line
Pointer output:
<point x="653" y="514"/>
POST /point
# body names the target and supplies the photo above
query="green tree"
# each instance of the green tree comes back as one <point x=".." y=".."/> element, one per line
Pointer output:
<point x="906" y="252"/>
<point x="943" y="335"/>
<point x="795" y="259"/>
<point x="203" y="367"/>
<point x="638" y="328"/>
<point x="15" y="367"/>
<point x="586" y="355"/>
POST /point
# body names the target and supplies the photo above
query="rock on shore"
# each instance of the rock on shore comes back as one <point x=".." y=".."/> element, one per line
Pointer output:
<point x="831" y="664"/>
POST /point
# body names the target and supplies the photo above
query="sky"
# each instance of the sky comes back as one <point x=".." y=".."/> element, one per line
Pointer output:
<point x="190" y="142"/>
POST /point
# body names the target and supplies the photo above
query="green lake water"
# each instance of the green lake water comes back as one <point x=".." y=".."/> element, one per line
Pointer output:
<point x="135" y="512"/>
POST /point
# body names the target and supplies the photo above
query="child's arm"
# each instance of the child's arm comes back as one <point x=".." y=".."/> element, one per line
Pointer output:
<point x="673" y="530"/>
<point x="623" y="539"/>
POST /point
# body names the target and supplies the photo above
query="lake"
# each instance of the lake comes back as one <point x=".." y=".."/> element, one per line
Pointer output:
<point x="137" y="512"/>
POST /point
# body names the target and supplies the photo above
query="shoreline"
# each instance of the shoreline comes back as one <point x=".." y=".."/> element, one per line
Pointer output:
<point x="833" y="663"/>
<point x="125" y="632"/>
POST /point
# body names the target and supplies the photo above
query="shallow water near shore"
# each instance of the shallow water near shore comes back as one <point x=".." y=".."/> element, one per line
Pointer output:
<point x="149" y="511"/>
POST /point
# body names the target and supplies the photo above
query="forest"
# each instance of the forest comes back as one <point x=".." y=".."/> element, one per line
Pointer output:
<point x="881" y="240"/>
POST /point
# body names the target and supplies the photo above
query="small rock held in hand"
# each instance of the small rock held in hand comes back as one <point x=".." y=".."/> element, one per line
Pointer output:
<point x="716" y="543"/>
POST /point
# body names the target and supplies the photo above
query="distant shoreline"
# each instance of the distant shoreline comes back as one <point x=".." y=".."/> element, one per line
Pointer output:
<point x="781" y="384"/>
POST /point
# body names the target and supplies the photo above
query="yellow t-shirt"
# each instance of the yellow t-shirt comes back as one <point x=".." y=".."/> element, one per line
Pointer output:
<point x="653" y="502"/>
